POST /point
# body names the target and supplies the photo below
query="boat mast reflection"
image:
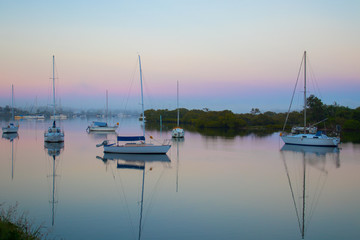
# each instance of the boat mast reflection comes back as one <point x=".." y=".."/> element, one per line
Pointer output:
<point x="11" y="137"/>
<point x="53" y="150"/>
<point x="135" y="162"/>
<point x="305" y="167"/>
<point x="178" y="141"/>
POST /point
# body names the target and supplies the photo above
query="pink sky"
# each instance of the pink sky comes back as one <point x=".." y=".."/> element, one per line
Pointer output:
<point x="234" y="55"/>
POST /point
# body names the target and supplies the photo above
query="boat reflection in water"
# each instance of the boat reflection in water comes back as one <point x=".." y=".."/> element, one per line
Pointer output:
<point x="306" y="170"/>
<point x="54" y="150"/>
<point x="101" y="135"/>
<point x="178" y="141"/>
<point x="137" y="162"/>
<point x="11" y="137"/>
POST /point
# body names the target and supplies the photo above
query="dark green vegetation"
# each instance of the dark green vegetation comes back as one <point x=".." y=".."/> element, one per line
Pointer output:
<point x="348" y="119"/>
<point x="15" y="227"/>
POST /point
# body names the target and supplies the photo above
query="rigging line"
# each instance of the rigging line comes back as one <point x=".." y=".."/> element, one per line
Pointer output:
<point x="147" y="92"/>
<point x="132" y="80"/>
<point x="152" y="197"/>
<point x="125" y="199"/>
<point x="292" y="98"/>
<point x="291" y="189"/>
<point x="317" y="195"/>
<point x="314" y="78"/>
<point x="57" y="86"/>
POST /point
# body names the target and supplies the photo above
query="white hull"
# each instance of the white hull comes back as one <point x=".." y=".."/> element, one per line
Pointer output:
<point x="137" y="149"/>
<point x="10" y="129"/>
<point x="311" y="140"/>
<point x="177" y="133"/>
<point x="103" y="129"/>
<point x="54" y="135"/>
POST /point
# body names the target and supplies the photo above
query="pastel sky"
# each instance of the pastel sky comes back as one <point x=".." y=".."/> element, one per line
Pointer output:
<point x="226" y="54"/>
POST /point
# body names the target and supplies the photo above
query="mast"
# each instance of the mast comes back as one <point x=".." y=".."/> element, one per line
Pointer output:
<point x="305" y="92"/>
<point x="178" y="104"/>
<point x="54" y="85"/>
<point x="12" y="102"/>
<point x="142" y="97"/>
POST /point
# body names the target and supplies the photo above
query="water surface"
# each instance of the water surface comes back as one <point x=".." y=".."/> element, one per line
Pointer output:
<point x="242" y="187"/>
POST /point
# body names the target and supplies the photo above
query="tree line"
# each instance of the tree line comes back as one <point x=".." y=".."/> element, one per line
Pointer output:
<point x="348" y="119"/>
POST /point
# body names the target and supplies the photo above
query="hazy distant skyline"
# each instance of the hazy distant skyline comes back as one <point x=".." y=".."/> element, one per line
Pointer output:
<point x="227" y="54"/>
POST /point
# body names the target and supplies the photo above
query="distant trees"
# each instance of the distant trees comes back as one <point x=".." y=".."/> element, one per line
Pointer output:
<point x="348" y="118"/>
<point x="7" y="109"/>
<point x="255" y="111"/>
<point x="315" y="109"/>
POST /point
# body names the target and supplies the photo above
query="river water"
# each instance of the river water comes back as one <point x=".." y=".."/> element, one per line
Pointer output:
<point x="206" y="187"/>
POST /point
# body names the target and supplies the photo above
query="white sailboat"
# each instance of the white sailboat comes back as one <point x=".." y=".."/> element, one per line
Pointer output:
<point x="177" y="131"/>
<point x="97" y="126"/>
<point x="135" y="144"/>
<point x="54" y="133"/>
<point x="308" y="137"/>
<point x="11" y="127"/>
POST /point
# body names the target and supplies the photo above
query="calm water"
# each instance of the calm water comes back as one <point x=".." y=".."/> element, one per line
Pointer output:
<point x="204" y="188"/>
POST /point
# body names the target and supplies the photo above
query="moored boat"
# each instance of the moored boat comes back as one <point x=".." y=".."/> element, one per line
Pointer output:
<point x="307" y="137"/>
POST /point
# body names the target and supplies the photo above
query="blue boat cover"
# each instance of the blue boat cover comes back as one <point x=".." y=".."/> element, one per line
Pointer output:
<point x="131" y="138"/>
<point x="318" y="133"/>
<point x="100" y="124"/>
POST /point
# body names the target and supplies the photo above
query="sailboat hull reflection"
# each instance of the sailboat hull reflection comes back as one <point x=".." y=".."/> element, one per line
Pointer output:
<point x="137" y="157"/>
<point x="10" y="136"/>
<point x="310" y="149"/>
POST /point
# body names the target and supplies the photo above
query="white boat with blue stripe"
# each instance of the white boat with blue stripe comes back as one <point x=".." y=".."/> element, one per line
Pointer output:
<point x="135" y="144"/>
<point x="308" y="137"/>
<point x="101" y="127"/>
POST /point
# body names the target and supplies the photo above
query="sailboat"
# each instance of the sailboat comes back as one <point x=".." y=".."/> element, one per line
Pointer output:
<point x="54" y="133"/>
<point x="177" y="131"/>
<point x="135" y="144"/>
<point x="308" y="137"/>
<point x="103" y="126"/>
<point x="11" y="127"/>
